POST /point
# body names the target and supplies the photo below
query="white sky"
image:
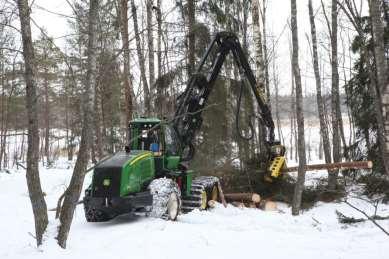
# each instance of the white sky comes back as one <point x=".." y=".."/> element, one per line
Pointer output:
<point x="278" y="13"/>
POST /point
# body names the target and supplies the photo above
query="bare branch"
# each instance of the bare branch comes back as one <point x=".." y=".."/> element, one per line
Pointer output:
<point x="368" y="217"/>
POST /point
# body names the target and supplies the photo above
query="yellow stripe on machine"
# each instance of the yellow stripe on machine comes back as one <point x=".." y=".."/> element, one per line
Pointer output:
<point x="139" y="158"/>
<point x="277" y="164"/>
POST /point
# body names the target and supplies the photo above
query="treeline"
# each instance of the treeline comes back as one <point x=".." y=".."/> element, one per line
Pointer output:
<point x="146" y="51"/>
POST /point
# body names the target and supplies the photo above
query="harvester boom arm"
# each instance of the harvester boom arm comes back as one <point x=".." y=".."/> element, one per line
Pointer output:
<point x="191" y="103"/>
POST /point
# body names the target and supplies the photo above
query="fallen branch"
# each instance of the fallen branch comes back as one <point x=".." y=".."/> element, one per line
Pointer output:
<point x="56" y="208"/>
<point x="59" y="205"/>
<point x="22" y="166"/>
<point x="347" y="220"/>
<point x="368" y="217"/>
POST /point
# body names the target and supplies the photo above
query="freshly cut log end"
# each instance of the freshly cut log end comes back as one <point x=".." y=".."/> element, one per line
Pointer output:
<point x="268" y="205"/>
<point x="369" y="164"/>
<point x="212" y="203"/>
<point x="256" y="198"/>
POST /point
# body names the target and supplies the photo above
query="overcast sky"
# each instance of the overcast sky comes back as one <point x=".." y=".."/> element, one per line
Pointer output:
<point x="51" y="15"/>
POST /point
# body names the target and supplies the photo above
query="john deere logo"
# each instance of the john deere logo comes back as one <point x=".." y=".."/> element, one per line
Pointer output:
<point x="106" y="182"/>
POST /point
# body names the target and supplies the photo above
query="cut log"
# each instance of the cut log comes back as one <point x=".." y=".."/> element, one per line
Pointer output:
<point x="333" y="166"/>
<point x="270" y="206"/>
<point x="221" y="194"/>
<point x="267" y="205"/>
<point x="246" y="197"/>
<point x="212" y="203"/>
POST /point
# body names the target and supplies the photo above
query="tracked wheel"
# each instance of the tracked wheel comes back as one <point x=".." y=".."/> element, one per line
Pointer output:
<point x="203" y="189"/>
<point x="95" y="215"/>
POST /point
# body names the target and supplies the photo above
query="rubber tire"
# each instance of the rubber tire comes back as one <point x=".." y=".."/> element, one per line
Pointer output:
<point x="162" y="190"/>
<point x="94" y="215"/>
<point x="173" y="206"/>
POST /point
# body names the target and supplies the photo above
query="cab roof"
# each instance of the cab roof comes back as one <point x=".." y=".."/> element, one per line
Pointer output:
<point x="145" y="120"/>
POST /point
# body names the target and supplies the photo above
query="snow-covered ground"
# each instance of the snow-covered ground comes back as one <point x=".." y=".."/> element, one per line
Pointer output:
<point x="220" y="233"/>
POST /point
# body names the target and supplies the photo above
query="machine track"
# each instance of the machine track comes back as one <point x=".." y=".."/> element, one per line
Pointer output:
<point x="203" y="189"/>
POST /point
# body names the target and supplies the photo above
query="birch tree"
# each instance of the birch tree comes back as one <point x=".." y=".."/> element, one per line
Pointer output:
<point x="265" y="52"/>
<point x="150" y="43"/>
<point x="159" y="57"/>
<point x="127" y="84"/>
<point x="258" y="56"/>
<point x="141" y="59"/>
<point x="320" y="104"/>
<point x="259" y="62"/>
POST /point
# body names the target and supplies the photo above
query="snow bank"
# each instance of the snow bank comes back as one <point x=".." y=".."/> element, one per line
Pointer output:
<point x="221" y="233"/>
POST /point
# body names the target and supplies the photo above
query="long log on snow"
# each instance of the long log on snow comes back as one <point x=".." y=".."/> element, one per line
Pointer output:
<point x="247" y="197"/>
<point x="333" y="166"/>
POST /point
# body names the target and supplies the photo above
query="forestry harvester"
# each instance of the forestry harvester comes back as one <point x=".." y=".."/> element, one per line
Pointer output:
<point x="152" y="174"/>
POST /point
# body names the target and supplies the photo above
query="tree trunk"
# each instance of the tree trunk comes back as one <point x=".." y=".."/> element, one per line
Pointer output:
<point x="276" y="82"/>
<point x="159" y="58"/>
<point x="150" y="43"/>
<point x="98" y="117"/>
<point x="265" y="54"/>
<point x="259" y="64"/>
<point x="32" y="174"/>
<point x="74" y="190"/>
<point x="191" y="36"/>
<point x="332" y="178"/>
<point x="4" y="111"/>
<point x="320" y="104"/>
<point x="292" y="110"/>
<point x="299" y="114"/>
<point x="381" y="70"/>
<point x="126" y="63"/>
<point x="146" y="92"/>
<point x="47" y="116"/>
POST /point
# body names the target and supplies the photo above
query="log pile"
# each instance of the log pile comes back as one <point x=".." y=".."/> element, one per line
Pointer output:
<point x="243" y="197"/>
<point x="246" y="200"/>
<point x="253" y="200"/>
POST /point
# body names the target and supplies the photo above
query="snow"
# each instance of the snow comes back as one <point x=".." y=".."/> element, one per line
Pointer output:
<point x="220" y="233"/>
